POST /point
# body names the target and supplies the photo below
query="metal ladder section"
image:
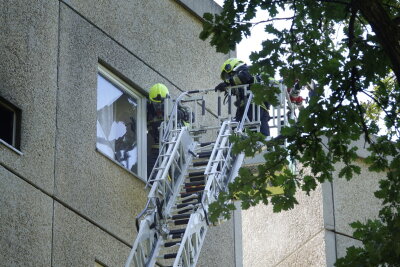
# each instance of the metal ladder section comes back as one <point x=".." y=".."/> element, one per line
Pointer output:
<point x="187" y="177"/>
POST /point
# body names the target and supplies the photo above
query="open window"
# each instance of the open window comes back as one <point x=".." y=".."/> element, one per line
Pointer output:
<point x="10" y="121"/>
<point x="121" y="122"/>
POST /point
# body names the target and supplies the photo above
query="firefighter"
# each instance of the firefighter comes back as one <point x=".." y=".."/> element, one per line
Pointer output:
<point x="155" y="116"/>
<point x="235" y="72"/>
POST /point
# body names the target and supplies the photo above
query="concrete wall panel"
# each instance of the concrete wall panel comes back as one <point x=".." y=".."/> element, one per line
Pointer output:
<point x="311" y="254"/>
<point x="354" y="200"/>
<point x="145" y="28"/>
<point x="270" y="238"/>
<point x="28" y="78"/>
<point x="25" y="223"/>
<point x="95" y="186"/>
<point x="77" y="242"/>
<point x="343" y="242"/>
<point x="218" y="248"/>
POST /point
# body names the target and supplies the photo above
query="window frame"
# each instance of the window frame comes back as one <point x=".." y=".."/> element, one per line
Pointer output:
<point x="141" y="120"/>
<point x="16" y="130"/>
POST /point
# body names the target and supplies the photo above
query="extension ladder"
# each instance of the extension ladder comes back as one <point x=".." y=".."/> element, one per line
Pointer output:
<point x="188" y="176"/>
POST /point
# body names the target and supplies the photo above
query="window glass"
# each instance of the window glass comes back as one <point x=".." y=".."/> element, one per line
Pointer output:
<point x="117" y="123"/>
<point x="9" y="121"/>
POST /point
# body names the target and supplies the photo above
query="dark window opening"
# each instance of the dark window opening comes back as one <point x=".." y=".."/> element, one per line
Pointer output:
<point x="10" y="117"/>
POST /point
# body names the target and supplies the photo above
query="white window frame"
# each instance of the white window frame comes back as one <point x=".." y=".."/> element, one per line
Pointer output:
<point x="16" y="128"/>
<point x="141" y="121"/>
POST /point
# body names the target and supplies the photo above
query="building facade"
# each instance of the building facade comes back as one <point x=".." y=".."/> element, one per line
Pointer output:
<point x="70" y="186"/>
<point x="317" y="231"/>
<point x="72" y="175"/>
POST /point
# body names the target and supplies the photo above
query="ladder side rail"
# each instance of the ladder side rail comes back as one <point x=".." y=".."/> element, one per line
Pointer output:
<point x="172" y="122"/>
<point x="185" y="159"/>
<point x="197" y="225"/>
<point x="288" y="105"/>
<point x="213" y="185"/>
<point x="144" y="242"/>
<point x="196" y="231"/>
<point x="240" y="128"/>
<point x="291" y="106"/>
<point x="161" y="184"/>
<point x="161" y="189"/>
<point x="283" y="107"/>
<point x="162" y="159"/>
<point x="212" y="181"/>
<point x="166" y="149"/>
<point x="218" y="144"/>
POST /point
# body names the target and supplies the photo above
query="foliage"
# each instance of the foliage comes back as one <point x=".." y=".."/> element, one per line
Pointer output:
<point x="343" y="47"/>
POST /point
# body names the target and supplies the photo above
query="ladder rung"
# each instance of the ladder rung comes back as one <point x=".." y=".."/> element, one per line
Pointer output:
<point x="188" y="197"/>
<point x="171" y="243"/>
<point x="200" y="163"/>
<point x="193" y="174"/>
<point x="194" y="189"/>
<point x="204" y="154"/>
<point x="184" y="211"/>
<point x="180" y="216"/>
<point x="197" y="179"/>
<point x="177" y="231"/>
<point x="181" y="222"/>
<point x="206" y="144"/>
<point x="182" y="208"/>
<point x="196" y="183"/>
<point x="169" y="256"/>
<point x="184" y="205"/>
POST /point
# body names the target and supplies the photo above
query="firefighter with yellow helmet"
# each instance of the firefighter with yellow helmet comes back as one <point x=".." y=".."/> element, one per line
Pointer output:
<point x="236" y="72"/>
<point x="158" y="93"/>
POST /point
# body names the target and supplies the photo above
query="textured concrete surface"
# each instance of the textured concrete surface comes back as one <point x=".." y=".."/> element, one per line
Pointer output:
<point x="343" y="242"/>
<point x="177" y="54"/>
<point x="311" y="254"/>
<point x="200" y="7"/>
<point x="270" y="238"/>
<point x="50" y="58"/>
<point x="25" y="223"/>
<point x="354" y="199"/>
<point x="28" y="78"/>
<point x="95" y="186"/>
<point x="218" y="248"/>
<point x="77" y="242"/>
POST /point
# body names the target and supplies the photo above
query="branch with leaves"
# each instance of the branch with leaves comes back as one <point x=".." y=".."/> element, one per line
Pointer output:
<point x="346" y="46"/>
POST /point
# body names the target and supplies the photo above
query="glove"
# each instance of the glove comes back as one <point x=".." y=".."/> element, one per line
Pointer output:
<point x="221" y="87"/>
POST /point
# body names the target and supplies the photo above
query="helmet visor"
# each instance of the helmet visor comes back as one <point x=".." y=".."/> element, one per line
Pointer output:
<point x="158" y="98"/>
<point x="225" y="76"/>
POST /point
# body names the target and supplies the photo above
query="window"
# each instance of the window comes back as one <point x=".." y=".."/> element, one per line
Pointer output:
<point x="121" y="122"/>
<point x="10" y="121"/>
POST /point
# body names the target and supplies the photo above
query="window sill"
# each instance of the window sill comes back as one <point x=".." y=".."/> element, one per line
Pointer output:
<point x="122" y="167"/>
<point x="11" y="147"/>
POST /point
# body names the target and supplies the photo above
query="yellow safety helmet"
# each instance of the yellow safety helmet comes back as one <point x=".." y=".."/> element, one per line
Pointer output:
<point x="158" y="93"/>
<point x="228" y="66"/>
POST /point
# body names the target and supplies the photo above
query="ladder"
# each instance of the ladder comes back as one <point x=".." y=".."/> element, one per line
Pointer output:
<point x="189" y="175"/>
